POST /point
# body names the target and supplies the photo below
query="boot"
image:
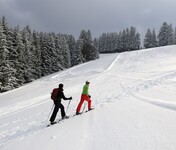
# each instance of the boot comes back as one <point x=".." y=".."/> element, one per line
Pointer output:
<point x="78" y="113"/>
<point x="53" y="122"/>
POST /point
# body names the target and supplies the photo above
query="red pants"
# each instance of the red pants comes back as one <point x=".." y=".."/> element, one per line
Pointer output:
<point x="83" y="98"/>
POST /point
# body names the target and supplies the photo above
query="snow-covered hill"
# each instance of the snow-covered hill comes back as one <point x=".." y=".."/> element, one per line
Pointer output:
<point x="134" y="95"/>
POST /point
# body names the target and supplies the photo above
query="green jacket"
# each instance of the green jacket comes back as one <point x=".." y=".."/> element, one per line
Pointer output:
<point x="85" y="89"/>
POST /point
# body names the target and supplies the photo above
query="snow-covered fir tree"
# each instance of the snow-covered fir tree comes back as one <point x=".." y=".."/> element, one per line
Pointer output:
<point x="175" y="35"/>
<point x="102" y="43"/>
<point x="89" y="52"/>
<point x="77" y="57"/>
<point x="124" y="40"/>
<point x="96" y="43"/>
<point x="170" y="35"/>
<point x="71" y="43"/>
<point x="129" y="39"/>
<point x="137" y="42"/>
<point x="154" y="39"/>
<point x="65" y="51"/>
<point x="119" y="42"/>
<point x="165" y="36"/>
<point x="46" y="53"/>
<point x="134" y="39"/>
<point x="19" y="60"/>
<point x="37" y="62"/>
<point x="6" y="70"/>
<point x="29" y="54"/>
<point x="148" y="39"/>
<point x="58" y="53"/>
<point x="51" y="52"/>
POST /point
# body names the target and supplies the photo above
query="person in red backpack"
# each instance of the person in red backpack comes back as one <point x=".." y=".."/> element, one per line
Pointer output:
<point x="58" y="104"/>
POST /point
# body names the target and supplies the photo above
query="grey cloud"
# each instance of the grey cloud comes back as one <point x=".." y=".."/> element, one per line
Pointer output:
<point x="71" y="16"/>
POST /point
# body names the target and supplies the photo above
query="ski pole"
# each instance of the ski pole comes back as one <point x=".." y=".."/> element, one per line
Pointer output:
<point x="50" y="112"/>
<point x="68" y="106"/>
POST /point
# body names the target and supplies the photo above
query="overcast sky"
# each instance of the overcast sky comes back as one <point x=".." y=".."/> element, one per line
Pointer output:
<point x="71" y="16"/>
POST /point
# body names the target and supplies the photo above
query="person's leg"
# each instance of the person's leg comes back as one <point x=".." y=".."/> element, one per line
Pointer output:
<point x="80" y="104"/>
<point x="62" y="110"/>
<point x="89" y="102"/>
<point x="53" y="116"/>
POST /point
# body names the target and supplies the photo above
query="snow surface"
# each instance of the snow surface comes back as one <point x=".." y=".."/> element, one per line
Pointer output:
<point x="134" y="95"/>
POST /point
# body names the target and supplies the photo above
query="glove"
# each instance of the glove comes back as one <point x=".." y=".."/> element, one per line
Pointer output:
<point x="89" y="96"/>
<point x="70" y="98"/>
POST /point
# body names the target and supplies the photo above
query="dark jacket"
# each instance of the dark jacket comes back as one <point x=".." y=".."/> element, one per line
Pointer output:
<point x="60" y="95"/>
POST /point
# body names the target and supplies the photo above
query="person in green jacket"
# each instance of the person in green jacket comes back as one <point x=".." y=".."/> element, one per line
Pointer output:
<point x="84" y="96"/>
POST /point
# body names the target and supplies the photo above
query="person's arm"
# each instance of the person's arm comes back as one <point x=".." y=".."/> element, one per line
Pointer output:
<point x="65" y="98"/>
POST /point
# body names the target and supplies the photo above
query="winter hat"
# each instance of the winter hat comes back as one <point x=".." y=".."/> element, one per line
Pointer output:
<point x="87" y="82"/>
<point x="61" y="86"/>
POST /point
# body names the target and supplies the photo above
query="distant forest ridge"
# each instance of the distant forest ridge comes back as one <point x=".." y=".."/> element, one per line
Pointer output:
<point x="26" y="55"/>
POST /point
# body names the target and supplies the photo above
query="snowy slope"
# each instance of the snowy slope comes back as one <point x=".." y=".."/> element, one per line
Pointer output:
<point x="134" y="95"/>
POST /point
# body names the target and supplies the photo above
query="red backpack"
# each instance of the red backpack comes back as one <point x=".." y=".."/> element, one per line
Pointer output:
<point x="54" y="94"/>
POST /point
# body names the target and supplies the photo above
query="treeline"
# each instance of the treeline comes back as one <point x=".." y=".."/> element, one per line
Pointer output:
<point x="26" y="55"/>
<point x="125" y="40"/>
<point x="129" y="39"/>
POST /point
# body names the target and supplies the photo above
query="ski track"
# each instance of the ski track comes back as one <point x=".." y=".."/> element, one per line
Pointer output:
<point x="21" y="106"/>
<point x="18" y="132"/>
<point x="140" y="86"/>
<point x="157" y="102"/>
